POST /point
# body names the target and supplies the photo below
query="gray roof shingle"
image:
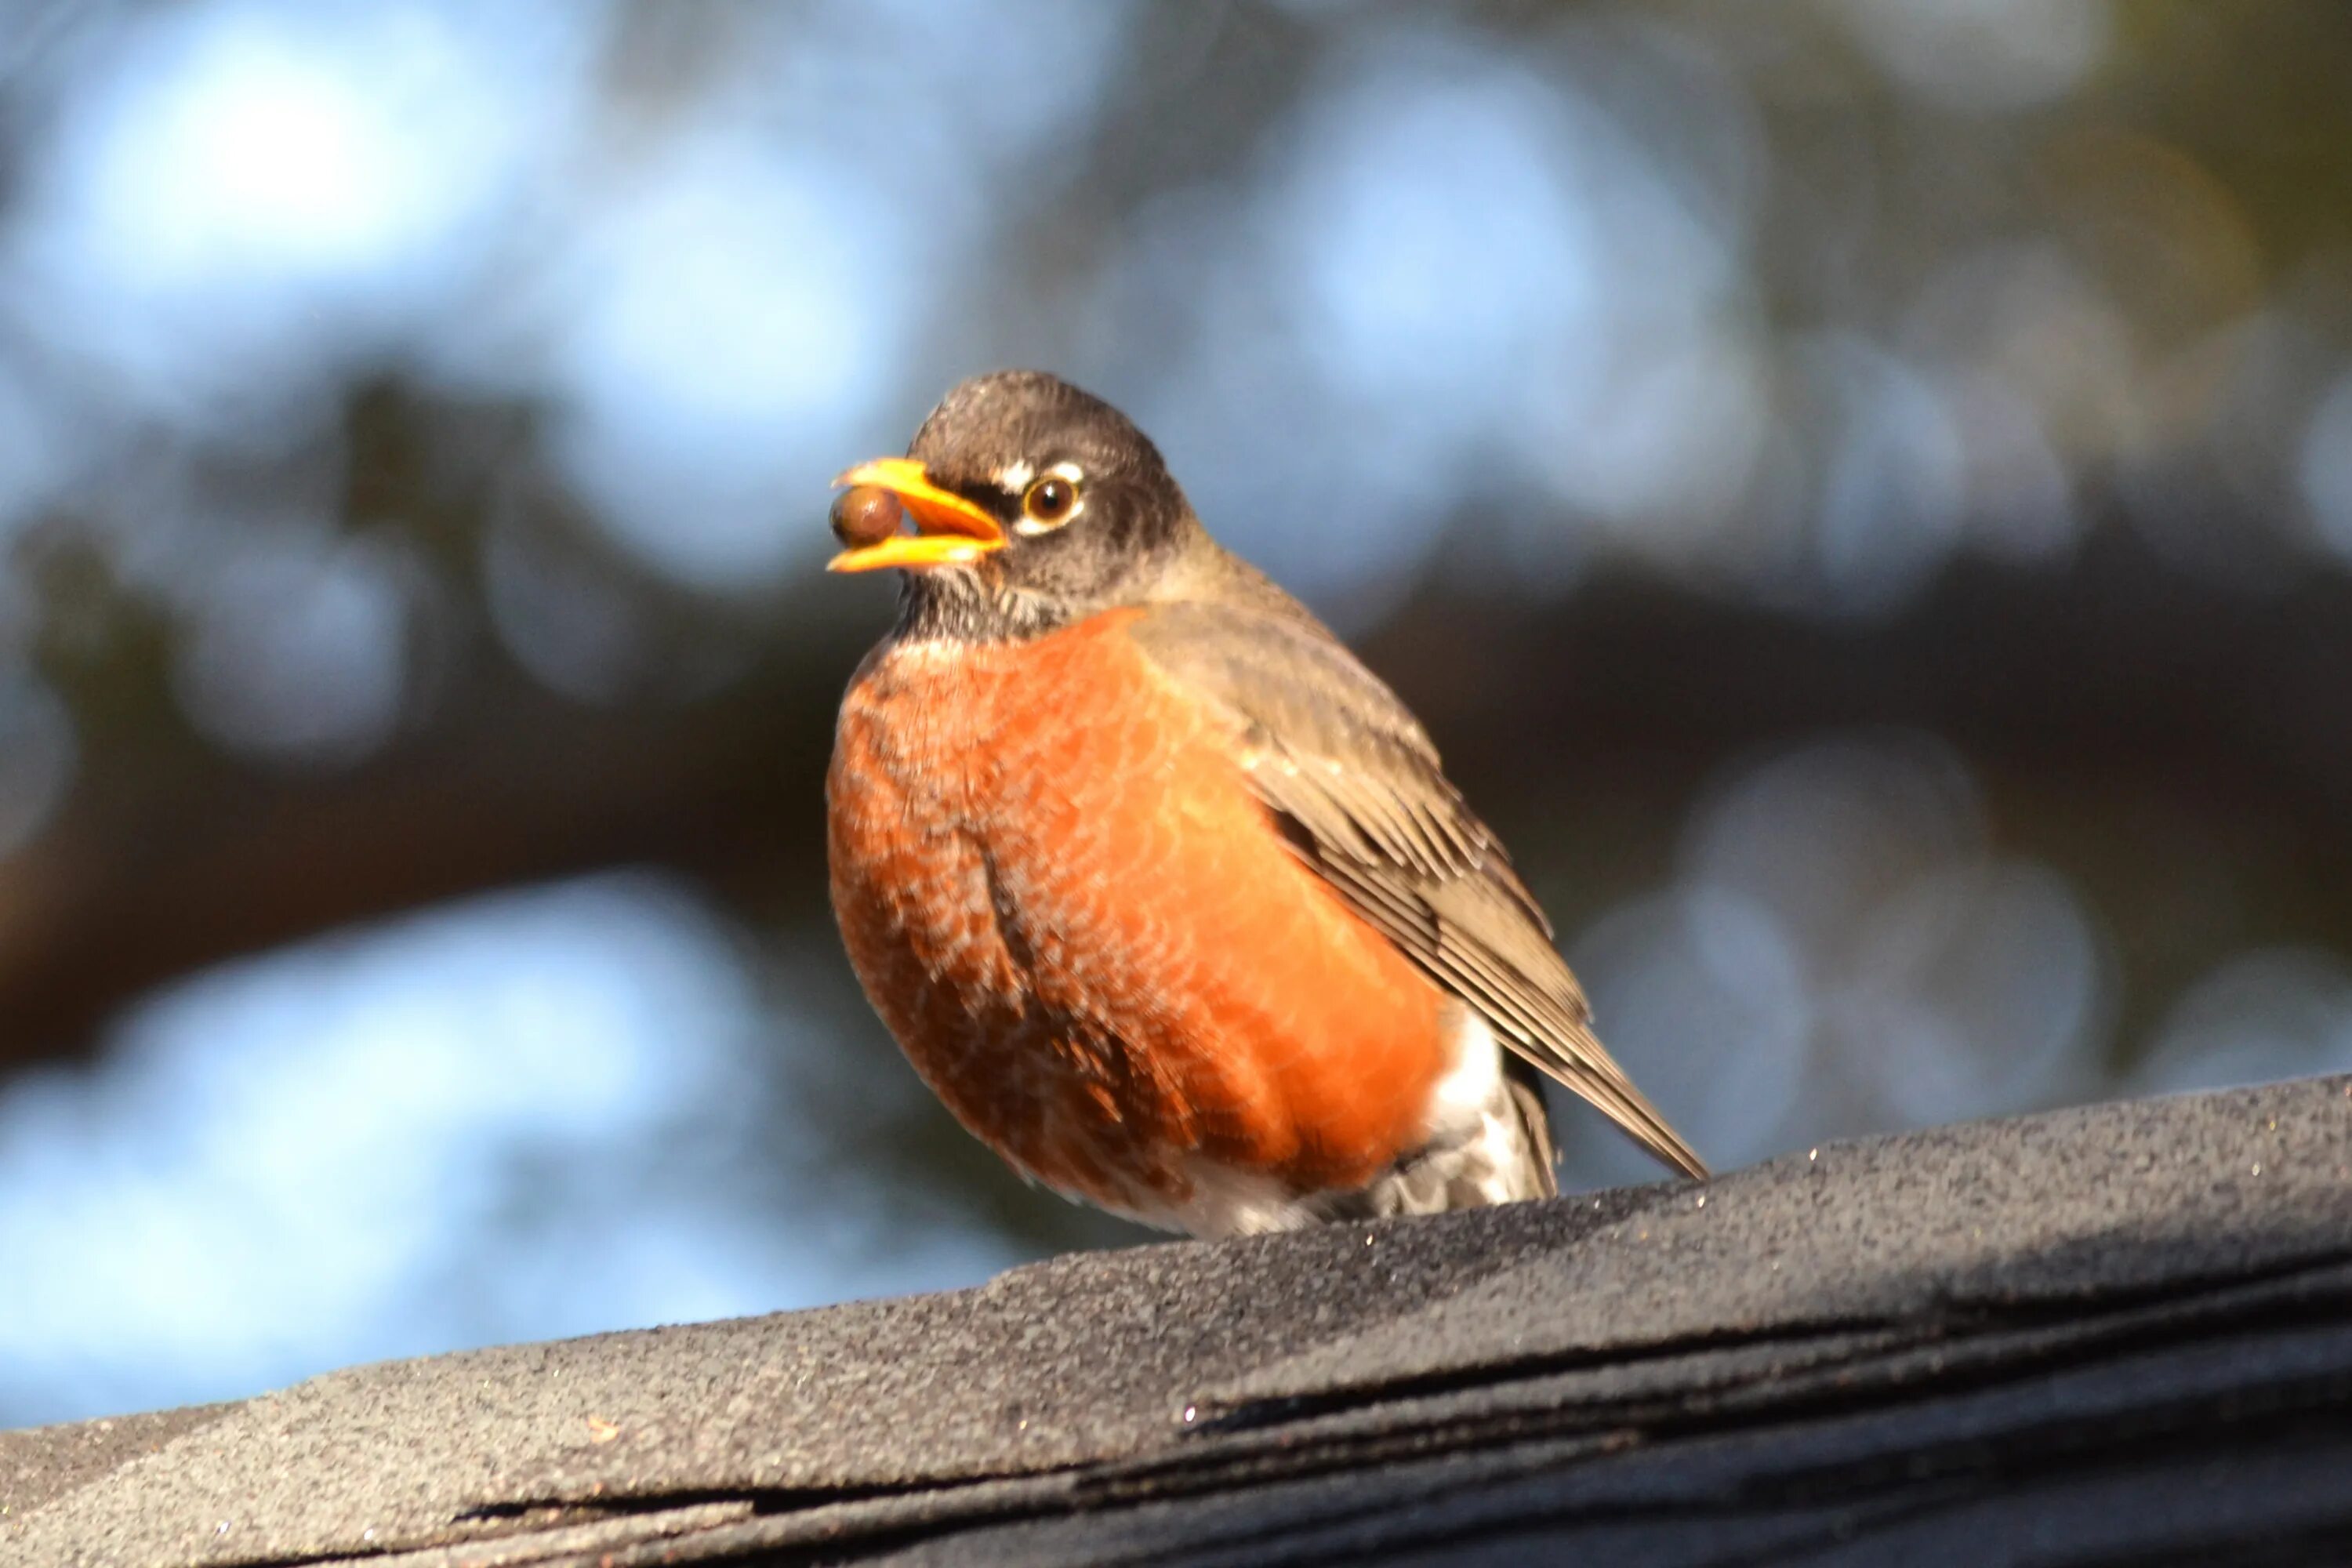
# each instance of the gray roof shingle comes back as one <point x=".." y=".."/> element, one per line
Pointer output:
<point x="2068" y="1336"/>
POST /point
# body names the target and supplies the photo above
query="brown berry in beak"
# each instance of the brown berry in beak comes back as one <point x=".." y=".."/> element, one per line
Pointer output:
<point x="866" y="514"/>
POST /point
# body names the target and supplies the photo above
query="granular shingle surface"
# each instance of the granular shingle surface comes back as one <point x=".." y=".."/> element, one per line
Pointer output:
<point x="2088" y="1336"/>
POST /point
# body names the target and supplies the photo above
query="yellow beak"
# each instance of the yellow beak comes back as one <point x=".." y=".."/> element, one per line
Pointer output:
<point x="950" y="529"/>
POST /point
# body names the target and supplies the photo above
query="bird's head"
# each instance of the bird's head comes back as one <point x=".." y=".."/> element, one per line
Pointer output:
<point x="1032" y="504"/>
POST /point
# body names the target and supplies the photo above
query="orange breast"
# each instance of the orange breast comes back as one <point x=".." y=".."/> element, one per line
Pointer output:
<point x="1065" y="901"/>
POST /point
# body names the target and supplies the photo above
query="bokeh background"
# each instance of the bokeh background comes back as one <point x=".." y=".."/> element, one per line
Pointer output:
<point x="1861" y="490"/>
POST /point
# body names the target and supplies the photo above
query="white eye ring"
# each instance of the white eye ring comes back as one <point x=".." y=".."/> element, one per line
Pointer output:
<point x="1052" y="501"/>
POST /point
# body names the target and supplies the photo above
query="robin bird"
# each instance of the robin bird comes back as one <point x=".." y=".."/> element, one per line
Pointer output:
<point x="1160" y="889"/>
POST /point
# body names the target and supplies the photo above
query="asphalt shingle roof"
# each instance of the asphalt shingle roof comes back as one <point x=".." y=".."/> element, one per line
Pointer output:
<point x="2079" y="1337"/>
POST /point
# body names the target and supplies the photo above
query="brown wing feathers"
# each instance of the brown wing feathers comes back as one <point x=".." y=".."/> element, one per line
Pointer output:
<point x="1333" y="751"/>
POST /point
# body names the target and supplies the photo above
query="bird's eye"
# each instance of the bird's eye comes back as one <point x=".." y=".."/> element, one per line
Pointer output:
<point x="1051" y="501"/>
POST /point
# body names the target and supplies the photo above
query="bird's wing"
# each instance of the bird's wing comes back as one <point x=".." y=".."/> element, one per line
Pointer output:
<point x="1357" y="786"/>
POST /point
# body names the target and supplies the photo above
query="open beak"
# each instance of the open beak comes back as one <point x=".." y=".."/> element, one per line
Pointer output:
<point x="950" y="529"/>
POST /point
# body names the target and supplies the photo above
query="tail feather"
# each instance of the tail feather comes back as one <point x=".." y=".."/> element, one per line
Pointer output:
<point x="1523" y="1083"/>
<point x="1588" y="1069"/>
